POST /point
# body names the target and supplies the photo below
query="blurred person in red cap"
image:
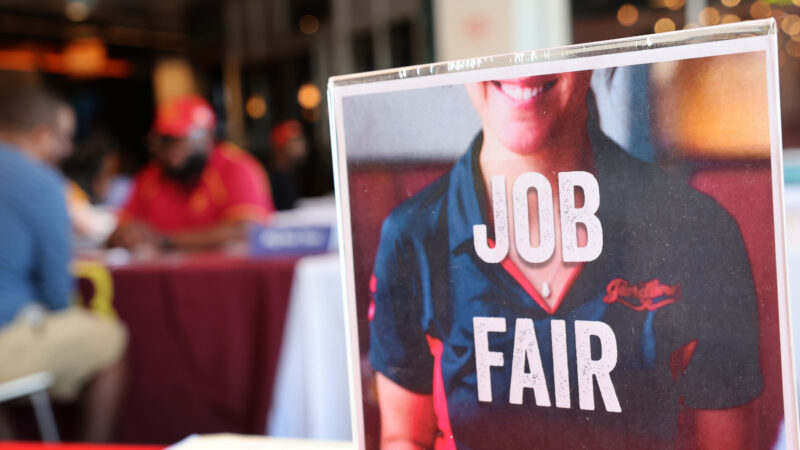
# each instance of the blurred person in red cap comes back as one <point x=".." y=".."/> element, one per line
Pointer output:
<point x="197" y="192"/>
<point x="289" y="150"/>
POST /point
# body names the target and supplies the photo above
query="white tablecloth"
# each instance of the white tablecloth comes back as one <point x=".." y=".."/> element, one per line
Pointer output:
<point x="228" y="441"/>
<point x="311" y="396"/>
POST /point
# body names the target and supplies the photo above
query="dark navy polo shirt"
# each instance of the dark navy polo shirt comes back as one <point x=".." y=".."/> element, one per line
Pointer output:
<point x="430" y="284"/>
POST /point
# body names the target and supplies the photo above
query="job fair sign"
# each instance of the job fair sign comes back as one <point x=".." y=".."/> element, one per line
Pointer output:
<point x="579" y="247"/>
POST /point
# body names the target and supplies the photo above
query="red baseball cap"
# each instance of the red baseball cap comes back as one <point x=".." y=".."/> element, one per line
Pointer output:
<point x="180" y="116"/>
<point x="284" y="131"/>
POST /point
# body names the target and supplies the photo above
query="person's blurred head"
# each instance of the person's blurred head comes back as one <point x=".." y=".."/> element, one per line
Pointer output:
<point x="36" y="120"/>
<point x="182" y="137"/>
<point x="523" y="113"/>
<point x="94" y="163"/>
<point x="289" y="145"/>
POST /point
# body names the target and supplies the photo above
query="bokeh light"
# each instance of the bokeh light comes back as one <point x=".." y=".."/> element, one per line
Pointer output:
<point x="731" y="3"/>
<point x="674" y="4"/>
<point x="709" y="16"/>
<point x="627" y="14"/>
<point x="308" y="24"/>
<point x="256" y="106"/>
<point x="663" y="25"/>
<point x="760" y="10"/>
<point x="85" y="57"/>
<point x="76" y="11"/>
<point x="730" y="18"/>
<point x="309" y="96"/>
<point x="791" y="24"/>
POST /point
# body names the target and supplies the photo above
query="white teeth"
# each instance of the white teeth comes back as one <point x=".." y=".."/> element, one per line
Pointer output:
<point x="512" y="90"/>
<point x="519" y="93"/>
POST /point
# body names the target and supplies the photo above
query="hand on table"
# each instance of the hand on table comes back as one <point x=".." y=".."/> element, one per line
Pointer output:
<point x="134" y="234"/>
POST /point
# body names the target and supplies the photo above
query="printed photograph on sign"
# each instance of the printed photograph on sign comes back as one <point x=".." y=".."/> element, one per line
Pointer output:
<point x="582" y="258"/>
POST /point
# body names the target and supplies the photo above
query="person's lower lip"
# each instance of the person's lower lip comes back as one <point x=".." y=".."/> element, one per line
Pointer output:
<point x="521" y="93"/>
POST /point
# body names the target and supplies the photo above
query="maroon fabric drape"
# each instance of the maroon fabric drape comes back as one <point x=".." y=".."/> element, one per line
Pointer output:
<point x="205" y="333"/>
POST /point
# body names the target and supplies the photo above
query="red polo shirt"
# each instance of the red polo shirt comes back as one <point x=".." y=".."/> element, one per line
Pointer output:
<point x="233" y="186"/>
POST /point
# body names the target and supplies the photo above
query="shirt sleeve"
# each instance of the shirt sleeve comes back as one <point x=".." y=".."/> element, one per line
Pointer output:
<point x="398" y="347"/>
<point x="51" y="228"/>
<point x="248" y="197"/>
<point x="724" y="370"/>
<point x="134" y="206"/>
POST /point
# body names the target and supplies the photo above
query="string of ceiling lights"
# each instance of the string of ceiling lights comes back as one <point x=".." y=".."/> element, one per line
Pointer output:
<point x="670" y="15"/>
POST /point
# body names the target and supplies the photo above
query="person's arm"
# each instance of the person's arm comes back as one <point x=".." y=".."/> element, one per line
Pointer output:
<point x="214" y="236"/>
<point x="399" y="350"/>
<point x="51" y="228"/>
<point x="408" y="420"/>
<point x="132" y="234"/>
<point x="130" y="231"/>
<point x="729" y="428"/>
<point x="723" y="375"/>
<point x="722" y="428"/>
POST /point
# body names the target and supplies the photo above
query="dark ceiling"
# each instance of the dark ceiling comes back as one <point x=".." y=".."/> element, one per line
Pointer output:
<point x="166" y="15"/>
<point x="584" y="8"/>
<point x="154" y="24"/>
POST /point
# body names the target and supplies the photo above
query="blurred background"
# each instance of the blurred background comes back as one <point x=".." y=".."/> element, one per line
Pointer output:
<point x="246" y="335"/>
<point x="260" y="62"/>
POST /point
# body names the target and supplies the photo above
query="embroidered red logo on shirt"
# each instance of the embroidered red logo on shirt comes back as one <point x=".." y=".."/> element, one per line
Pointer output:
<point x="645" y="296"/>
<point x="373" y="287"/>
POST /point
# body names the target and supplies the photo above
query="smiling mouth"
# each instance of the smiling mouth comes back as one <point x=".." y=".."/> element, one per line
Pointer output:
<point x="522" y="93"/>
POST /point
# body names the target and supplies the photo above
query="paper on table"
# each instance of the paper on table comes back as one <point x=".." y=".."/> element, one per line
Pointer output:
<point x="244" y="442"/>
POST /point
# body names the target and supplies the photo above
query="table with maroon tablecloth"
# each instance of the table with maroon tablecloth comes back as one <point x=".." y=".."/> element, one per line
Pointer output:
<point x="205" y="334"/>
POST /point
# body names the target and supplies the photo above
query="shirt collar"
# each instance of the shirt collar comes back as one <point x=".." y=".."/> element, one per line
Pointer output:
<point x="466" y="204"/>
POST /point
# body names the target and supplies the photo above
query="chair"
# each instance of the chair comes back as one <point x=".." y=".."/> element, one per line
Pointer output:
<point x="35" y="387"/>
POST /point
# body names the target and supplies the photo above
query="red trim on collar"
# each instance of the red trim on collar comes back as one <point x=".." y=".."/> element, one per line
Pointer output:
<point x="519" y="277"/>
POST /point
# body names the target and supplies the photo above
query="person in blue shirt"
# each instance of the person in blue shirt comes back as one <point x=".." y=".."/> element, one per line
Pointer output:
<point x="600" y="353"/>
<point x="39" y="329"/>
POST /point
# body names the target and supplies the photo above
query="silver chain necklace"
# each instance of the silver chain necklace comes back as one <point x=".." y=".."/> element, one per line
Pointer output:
<point x="545" y="291"/>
